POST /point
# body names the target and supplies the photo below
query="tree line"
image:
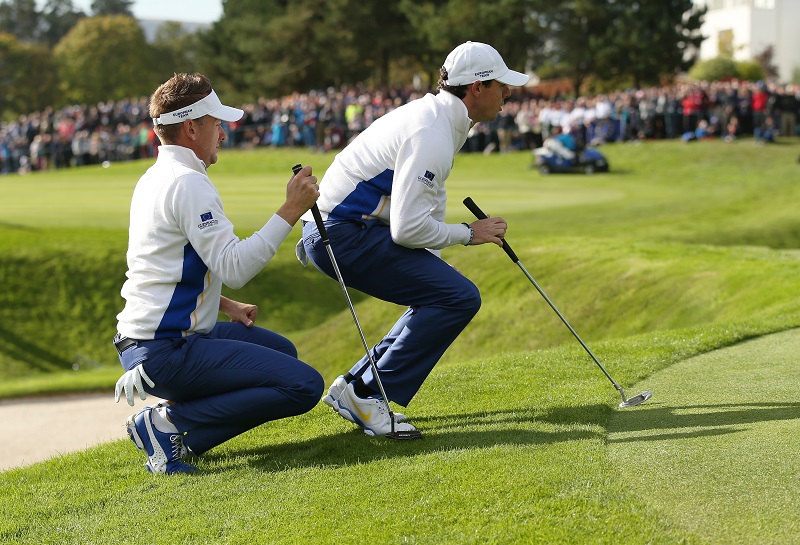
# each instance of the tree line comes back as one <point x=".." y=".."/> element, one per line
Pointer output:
<point x="58" y="55"/>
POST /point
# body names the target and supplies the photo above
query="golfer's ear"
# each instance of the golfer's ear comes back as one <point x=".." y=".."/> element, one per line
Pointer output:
<point x="475" y="87"/>
<point x="189" y="128"/>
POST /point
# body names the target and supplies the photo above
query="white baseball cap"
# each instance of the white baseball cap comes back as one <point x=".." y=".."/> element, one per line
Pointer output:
<point x="209" y="105"/>
<point x="474" y="61"/>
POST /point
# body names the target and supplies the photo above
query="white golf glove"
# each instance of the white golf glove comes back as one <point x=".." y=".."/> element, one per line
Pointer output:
<point x="130" y="381"/>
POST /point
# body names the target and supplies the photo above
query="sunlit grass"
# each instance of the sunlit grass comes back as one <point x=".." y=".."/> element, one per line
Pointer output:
<point x="680" y="251"/>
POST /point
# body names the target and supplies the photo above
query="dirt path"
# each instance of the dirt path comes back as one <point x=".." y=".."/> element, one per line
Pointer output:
<point x="35" y="429"/>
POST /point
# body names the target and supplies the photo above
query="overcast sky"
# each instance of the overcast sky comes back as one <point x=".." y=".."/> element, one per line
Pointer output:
<point x="193" y="11"/>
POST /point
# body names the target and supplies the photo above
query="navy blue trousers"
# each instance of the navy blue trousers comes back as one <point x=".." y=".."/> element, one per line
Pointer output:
<point x="440" y="300"/>
<point x="227" y="382"/>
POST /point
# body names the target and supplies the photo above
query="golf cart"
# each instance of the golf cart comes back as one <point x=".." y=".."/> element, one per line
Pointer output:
<point x="588" y="161"/>
<point x="563" y="152"/>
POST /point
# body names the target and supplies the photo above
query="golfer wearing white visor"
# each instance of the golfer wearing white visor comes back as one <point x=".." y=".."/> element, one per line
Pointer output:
<point x="220" y="378"/>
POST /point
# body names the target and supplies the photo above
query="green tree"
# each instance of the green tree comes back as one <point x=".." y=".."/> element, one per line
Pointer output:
<point x="20" y="18"/>
<point x="275" y="47"/>
<point x="750" y="70"/>
<point x="648" y="41"/>
<point x="367" y="35"/>
<point x="58" y="17"/>
<point x="270" y="47"/>
<point x="175" y="50"/>
<point x="105" y="58"/>
<point x="618" y="42"/>
<point x="574" y="40"/>
<point x="243" y="52"/>
<point x="112" y="7"/>
<point x="27" y="77"/>
<point x="715" y="69"/>
<point x="513" y="27"/>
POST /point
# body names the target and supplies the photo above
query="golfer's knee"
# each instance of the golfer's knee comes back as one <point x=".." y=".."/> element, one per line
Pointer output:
<point x="308" y="391"/>
<point x="290" y="350"/>
<point x="286" y="346"/>
<point x="470" y="299"/>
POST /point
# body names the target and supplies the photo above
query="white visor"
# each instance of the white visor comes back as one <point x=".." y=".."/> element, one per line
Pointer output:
<point x="209" y="105"/>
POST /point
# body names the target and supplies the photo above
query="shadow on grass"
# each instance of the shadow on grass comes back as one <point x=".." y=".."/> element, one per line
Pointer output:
<point x="477" y="430"/>
<point x="702" y="420"/>
<point x="33" y="356"/>
<point x="443" y="433"/>
<point x="16" y="227"/>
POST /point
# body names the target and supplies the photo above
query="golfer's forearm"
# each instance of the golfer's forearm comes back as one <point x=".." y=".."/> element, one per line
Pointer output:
<point x="225" y="305"/>
<point x="290" y="213"/>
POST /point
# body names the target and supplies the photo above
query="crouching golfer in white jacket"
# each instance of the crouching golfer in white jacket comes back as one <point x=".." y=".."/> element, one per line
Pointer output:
<point x="221" y="378"/>
<point x="383" y="201"/>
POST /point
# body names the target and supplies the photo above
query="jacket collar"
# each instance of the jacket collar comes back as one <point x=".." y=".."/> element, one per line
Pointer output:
<point x="182" y="155"/>
<point x="457" y="113"/>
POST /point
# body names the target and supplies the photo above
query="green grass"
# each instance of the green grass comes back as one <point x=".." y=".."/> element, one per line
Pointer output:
<point x="681" y="250"/>
<point x="666" y="240"/>
<point x="721" y="433"/>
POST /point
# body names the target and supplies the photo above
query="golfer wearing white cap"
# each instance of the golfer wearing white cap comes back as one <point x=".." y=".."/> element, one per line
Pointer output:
<point x="384" y="199"/>
<point x="221" y="378"/>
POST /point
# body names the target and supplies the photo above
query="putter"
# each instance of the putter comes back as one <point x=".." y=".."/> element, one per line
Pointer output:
<point x="626" y="402"/>
<point x="396" y="435"/>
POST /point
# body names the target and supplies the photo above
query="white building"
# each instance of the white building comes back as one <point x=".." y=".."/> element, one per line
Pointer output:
<point x="749" y="27"/>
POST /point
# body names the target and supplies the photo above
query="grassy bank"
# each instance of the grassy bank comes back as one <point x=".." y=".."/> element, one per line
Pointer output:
<point x="675" y="236"/>
<point x="679" y="251"/>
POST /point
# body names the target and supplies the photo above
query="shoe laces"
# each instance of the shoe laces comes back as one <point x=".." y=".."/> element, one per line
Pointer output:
<point x="178" y="449"/>
<point x="382" y="408"/>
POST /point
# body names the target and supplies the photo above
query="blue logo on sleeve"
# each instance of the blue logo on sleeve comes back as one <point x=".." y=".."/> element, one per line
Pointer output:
<point x="206" y="220"/>
<point x="427" y="178"/>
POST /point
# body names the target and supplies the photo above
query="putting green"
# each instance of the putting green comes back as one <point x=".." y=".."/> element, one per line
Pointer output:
<point x="716" y="448"/>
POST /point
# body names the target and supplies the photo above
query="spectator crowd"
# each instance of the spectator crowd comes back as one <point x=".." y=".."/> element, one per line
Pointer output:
<point x="326" y="120"/>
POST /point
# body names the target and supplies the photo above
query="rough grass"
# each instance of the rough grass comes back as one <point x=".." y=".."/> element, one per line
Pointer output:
<point x="665" y="240"/>
<point x="681" y="250"/>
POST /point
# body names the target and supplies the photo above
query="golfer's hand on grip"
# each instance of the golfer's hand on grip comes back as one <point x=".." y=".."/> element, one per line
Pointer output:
<point x="301" y="194"/>
<point x="489" y="230"/>
<point x="480" y="214"/>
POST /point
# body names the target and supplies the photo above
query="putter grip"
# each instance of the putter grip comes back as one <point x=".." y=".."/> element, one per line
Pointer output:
<point x="315" y="212"/>
<point x="470" y="204"/>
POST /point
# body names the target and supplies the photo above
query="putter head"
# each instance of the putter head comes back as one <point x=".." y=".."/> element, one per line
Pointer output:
<point x="401" y="435"/>
<point x="636" y="400"/>
<point x="404" y="435"/>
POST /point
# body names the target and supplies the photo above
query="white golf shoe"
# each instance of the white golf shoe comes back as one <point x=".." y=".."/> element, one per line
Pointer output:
<point x="335" y="393"/>
<point x="371" y="413"/>
<point x="164" y="450"/>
